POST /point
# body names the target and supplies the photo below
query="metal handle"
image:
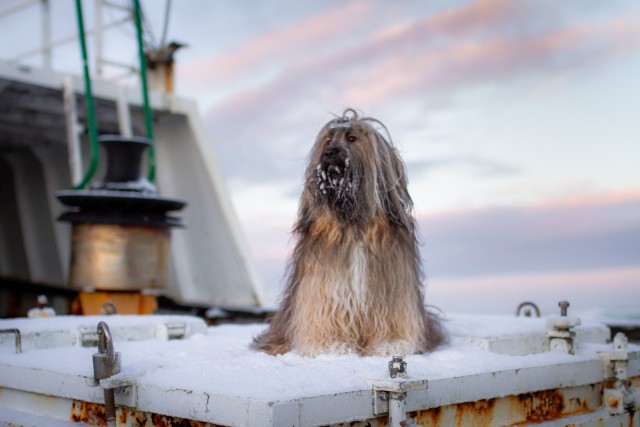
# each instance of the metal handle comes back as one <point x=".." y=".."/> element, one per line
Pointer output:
<point x="106" y="362"/>
<point x="527" y="312"/>
<point x="105" y="342"/>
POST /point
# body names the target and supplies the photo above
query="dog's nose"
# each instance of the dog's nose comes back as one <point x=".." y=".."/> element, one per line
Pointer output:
<point x="330" y="153"/>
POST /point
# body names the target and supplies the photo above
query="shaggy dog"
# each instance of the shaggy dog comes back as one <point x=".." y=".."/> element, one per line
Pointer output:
<point x="354" y="280"/>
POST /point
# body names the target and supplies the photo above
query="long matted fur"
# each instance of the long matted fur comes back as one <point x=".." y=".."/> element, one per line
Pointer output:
<point x="354" y="280"/>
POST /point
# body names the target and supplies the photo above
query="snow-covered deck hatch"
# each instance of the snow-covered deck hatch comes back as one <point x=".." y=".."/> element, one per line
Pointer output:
<point x="495" y="371"/>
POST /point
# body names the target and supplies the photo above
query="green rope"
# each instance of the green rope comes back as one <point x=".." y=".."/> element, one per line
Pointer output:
<point x="91" y="117"/>
<point x="145" y="92"/>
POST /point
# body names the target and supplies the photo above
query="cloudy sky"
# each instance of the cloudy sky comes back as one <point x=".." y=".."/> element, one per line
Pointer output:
<point x="519" y="122"/>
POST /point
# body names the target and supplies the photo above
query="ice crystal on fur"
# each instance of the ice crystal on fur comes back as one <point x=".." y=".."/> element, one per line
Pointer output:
<point x="354" y="282"/>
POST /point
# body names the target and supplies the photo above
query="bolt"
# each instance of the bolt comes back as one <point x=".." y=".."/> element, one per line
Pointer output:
<point x="612" y="401"/>
<point x="563" y="308"/>
<point x="620" y="342"/>
<point x="397" y="367"/>
<point x="109" y="308"/>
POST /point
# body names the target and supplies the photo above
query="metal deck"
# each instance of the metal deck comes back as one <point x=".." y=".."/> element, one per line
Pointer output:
<point x="495" y="371"/>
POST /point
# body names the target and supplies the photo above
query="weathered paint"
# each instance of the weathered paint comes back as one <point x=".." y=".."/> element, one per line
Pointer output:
<point x="89" y="413"/>
<point x="94" y="414"/>
<point x="523" y="409"/>
<point x="92" y="303"/>
<point x="526" y="408"/>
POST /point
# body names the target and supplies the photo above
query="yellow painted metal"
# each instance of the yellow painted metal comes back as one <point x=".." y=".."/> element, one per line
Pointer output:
<point x="93" y="303"/>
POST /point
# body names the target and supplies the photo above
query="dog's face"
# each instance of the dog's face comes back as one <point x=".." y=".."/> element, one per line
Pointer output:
<point x="354" y="171"/>
<point x="338" y="165"/>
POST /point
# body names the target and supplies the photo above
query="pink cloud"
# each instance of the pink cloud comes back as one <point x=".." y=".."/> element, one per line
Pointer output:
<point x="469" y="61"/>
<point x="576" y="280"/>
<point x="481" y="14"/>
<point x="568" y="217"/>
<point x="623" y="195"/>
<point x="585" y="201"/>
<point x="306" y="38"/>
<point x="598" y="232"/>
<point x="284" y="44"/>
<point x="400" y="61"/>
<point x="586" y="290"/>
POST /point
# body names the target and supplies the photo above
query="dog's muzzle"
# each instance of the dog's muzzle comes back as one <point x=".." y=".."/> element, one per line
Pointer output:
<point x="332" y="169"/>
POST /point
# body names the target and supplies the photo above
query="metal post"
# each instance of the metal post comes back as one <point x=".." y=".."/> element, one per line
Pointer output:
<point x="98" y="37"/>
<point x="124" y="116"/>
<point x="73" y="140"/>
<point x="46" y="34"/>
<point x="397" y="412"/>
<point x="91" y="120"/>
<point x="145" y="90"/>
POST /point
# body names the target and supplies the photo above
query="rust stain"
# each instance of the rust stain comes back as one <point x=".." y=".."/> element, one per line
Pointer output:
<point x="94" y="414"/>
<point x="523" y="409"/>
<point x="167" y="421"/>
<point x="427" y="418"/>
<point x="88" y="413"/>
<point x="141" y="419"/>
<point x="383" y="421"/>
<point x="478" y="413"/>
<point x="542" y="405"/>
<point x="577" y="405"/>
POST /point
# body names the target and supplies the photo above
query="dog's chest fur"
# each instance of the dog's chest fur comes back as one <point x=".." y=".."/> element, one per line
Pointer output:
<point x="350" y="287"/>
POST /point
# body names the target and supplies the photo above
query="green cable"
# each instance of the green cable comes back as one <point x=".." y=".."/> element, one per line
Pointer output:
<point x="91" y="117"/>
<point x="145" y="92"/>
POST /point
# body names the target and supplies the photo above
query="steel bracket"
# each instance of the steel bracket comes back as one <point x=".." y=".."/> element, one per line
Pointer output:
<point x="562" y="340"/>
<point x="18" y="339"/>
<point x="622" y="397"/>
<point x="560" y="334"/>
<point x="386" y="390"/>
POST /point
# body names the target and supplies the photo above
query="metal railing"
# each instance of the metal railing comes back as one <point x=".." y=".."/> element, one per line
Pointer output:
<point x="47" y="44"/>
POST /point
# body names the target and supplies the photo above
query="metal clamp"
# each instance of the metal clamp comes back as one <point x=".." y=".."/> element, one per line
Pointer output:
<point x="18" y="337"/>
<point x="560" y="333"/>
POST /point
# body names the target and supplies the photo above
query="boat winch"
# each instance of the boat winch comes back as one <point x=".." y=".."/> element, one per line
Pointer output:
<point x="121" y="232"/>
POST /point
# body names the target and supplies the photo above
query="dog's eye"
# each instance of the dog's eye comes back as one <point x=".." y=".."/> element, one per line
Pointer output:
<point x="351" y="138"/>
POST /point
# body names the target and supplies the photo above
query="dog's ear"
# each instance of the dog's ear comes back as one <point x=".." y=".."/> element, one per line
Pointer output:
<point x="397" y="203"/>
<point x="305" y="220"/>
